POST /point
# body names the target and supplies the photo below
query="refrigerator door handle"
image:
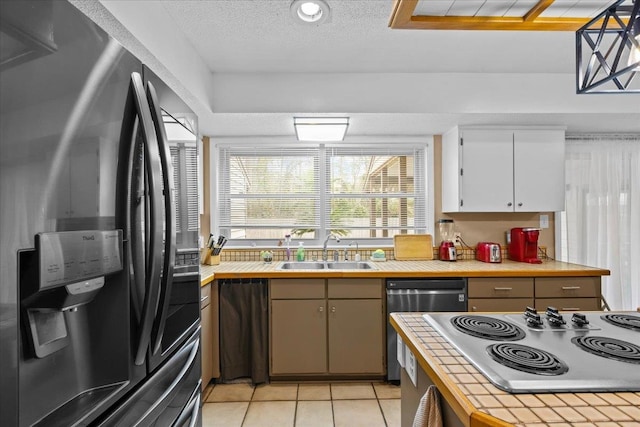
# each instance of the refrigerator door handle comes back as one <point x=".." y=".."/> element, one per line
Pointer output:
<point x="191" y="410"/>
<point x="170" y="220"/>
<point x="137" y="107"/>
<point x="172" y="389"/>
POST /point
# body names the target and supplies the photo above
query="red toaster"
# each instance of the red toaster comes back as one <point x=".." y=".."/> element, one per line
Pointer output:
<point x="488" y="252"/>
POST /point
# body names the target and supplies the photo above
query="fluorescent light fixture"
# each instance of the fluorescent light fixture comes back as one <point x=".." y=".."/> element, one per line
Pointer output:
<point x="310" y="11"/>
<point x="320" y="129"/>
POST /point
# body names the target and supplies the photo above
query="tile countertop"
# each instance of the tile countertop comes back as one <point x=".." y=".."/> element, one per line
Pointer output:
<point x="435" y="268"/>
<point x="478" y="402"/>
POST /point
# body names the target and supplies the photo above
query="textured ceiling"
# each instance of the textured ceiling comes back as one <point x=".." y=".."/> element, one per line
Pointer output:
<point x="247" y="55"/>
<point x="261" y="36"/>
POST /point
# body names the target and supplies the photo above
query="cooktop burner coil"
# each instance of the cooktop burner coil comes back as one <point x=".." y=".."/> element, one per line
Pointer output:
<point x="527" y="359"/>
<point x="623" y="320"/>
<point x="610" y="348"/>
<point x="488" y="327"/>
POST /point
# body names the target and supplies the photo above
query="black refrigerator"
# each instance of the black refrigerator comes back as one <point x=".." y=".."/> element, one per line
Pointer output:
<point x="98" y="325"/>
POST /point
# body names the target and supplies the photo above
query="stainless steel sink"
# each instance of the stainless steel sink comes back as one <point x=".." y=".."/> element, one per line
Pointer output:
<point x="340" y="265"/>
<point x="302" y="265"/>
<point x="350" y="265"/>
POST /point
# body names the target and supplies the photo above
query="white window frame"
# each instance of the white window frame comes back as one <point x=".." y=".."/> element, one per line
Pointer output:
<point x="423" y="142"/>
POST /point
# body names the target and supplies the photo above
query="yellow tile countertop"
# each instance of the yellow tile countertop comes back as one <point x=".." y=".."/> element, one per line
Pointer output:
<point x="478" y="402"/>
<point x="434" y="268"/>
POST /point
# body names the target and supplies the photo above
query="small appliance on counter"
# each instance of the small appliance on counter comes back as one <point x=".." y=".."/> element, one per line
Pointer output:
<point x="523" y="245"/>
<point x="488" y="252"/>
<point x="447" y="250"/>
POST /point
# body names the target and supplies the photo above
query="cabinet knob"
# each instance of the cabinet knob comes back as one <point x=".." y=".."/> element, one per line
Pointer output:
<point x="509" y="204"/>
<point x="520" y="204"/>
<point x="320" y="309"/>
<point x="474" y="308"/>
<point x="333" y="309"/>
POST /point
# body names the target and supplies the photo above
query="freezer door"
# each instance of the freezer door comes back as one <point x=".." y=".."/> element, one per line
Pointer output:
<point x="168" y="396"/>
<point x="61" y="113"/>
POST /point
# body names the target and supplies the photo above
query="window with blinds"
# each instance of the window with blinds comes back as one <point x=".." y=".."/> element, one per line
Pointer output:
<point x="357" y="192"/>
<point x="184" y="158"/>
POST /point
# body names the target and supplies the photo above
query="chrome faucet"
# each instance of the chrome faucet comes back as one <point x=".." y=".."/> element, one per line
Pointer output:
<point x="356" y="256"/>
<point x="324" y="247"/>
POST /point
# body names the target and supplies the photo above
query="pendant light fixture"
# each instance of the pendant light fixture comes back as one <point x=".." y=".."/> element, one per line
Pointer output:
<point x="608" y="50"/>
<point x="634" y="56"/>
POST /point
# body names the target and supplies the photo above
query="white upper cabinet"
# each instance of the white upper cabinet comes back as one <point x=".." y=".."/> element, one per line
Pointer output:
<point x="503" y="170"/>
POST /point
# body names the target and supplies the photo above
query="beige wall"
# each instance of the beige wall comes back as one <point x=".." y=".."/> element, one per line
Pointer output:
<point x="485" y="227"/>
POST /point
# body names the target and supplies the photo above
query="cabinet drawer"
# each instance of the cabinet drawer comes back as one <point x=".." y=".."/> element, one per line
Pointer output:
<point x="568" y="304"/>
<point x="355" y="288"/>
<point x="205" y="296"/>
<point x="500" y="304"/>
<point x="491" y="287"/>
<point x="297" y="288"/>
<point x="567" y="287"/>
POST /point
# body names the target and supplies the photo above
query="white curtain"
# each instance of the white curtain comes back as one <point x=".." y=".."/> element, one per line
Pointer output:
<point x="602" y="222"/>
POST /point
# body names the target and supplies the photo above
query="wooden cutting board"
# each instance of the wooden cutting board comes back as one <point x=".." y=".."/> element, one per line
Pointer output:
<point x="412" y="247"/>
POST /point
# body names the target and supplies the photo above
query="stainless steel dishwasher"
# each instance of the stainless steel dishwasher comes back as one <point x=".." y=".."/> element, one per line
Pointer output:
<point x="444" y="294"/>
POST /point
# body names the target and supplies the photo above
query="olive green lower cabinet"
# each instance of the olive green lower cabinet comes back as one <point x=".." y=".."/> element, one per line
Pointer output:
<point x="327" y="327"/>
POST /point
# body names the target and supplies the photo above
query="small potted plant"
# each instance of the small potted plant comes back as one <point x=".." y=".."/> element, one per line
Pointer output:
<point x="267" y="256"/>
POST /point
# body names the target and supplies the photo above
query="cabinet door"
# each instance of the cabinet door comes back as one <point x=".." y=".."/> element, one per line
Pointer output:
<point x="298" y="337"/>
<point x="487" y="171"/>
<point x="355" y="336"/>
<point x="206" y="345"/>
<point x="539" y="170"/>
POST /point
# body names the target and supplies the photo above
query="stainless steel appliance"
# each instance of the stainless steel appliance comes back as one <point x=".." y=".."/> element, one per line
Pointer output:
<point x="550" y="352"/>
<point x="417" y="294"/>
<point x="97" y="324"/>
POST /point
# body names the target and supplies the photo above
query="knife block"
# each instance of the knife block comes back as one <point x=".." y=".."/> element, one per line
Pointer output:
<point x="208" y="259"/>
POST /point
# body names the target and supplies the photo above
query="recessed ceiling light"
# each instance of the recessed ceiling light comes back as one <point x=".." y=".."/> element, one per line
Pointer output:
<point x="320" y="129"/>
<point x="310" y="11"/>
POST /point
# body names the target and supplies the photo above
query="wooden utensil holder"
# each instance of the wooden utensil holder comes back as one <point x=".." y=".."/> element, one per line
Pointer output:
<point x="208" y="259"/>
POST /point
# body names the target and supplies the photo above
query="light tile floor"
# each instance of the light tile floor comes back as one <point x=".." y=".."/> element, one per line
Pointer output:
<point x="302" y="405"/>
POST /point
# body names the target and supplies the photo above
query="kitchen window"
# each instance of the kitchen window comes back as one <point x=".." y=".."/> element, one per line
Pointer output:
<point x="184" y="158"/>
<point x="365" y="193"/>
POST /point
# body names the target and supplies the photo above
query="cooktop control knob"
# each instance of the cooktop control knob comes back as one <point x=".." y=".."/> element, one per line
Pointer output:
<point x="530" y="310"/>
<point x="554" y="318"/>
<point x="551" y="310"/>
<point x="579" y="319"/>
<point x="533" y="319"/>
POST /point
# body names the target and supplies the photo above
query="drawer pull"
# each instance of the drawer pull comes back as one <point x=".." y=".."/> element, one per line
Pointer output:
<point x="502" y="289"/>
<point x="570" y="309"/>
<point x="204" y="298"/>
<point x="570" y="288"/>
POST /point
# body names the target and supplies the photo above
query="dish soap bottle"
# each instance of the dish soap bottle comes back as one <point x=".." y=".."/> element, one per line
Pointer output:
<point x="300" y="252"/>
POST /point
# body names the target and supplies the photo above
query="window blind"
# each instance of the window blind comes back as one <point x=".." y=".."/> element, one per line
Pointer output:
<point x="264" y="191"/>
<point x="359" y="192"/>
